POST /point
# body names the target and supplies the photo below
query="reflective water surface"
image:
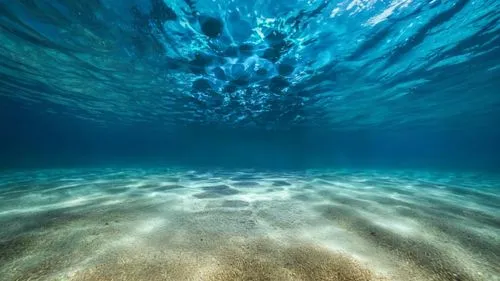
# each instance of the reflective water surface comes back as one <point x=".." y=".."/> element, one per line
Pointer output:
<point x="265" y="64"/>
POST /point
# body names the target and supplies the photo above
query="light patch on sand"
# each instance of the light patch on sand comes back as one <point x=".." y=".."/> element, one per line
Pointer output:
<point x="187" y="203"/>
<point x="344" y="184"/>
<point x="64" y="186"/>
<point x="74" y="202"/>
<point x="335" y="236"/>
<point x="349" y="217"/>
<point x="112" y="202"/>
<point x="138" y="183"/>
<point x="264" y="196"/>
<point x="396" y="196"/>
<point x="80" y="201"/>
<point x="98" y="182"/>
<point x="150" y="225"/>
<point x="396" y="224"/>
<point x="124" y="241"/>
<point x="401" y="227"/>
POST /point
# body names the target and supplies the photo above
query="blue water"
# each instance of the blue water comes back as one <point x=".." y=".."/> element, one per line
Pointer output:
<point x="274" y="84"/>
<point x="353" y="140"/>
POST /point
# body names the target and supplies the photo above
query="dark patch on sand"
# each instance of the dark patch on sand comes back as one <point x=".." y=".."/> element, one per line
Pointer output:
<point x="195" y="177"/>
<point x="15" y="247"/>
<point x="245" y="178"/>
<point x="136" y="194"/>
<point x="379" y="182"/>
<point x="302" y="197"/>
<point x="399" y="190"/>
<point x="475" y="241"/>
<point x="214" y="188"/>
<point x="421" y="253"/>
<point x="329" y="177"/>
<point x="171" y="179"/>
<point x="28" y="223"/>
<point x="321" y="182"/>
<point x="148" y="186"/>
<point x="216" y="191"/>
<point x="245" y="184"/>
<point x="235" y="203"/>
<point x="275" y="189"/>
<point x="37" y="256"/>
<point x="281" y="183"/>
<point x="441" y="208"/>
<point x="116" y="190"/>
<point x="169" y="187"/>
<point x="308" y="186"/>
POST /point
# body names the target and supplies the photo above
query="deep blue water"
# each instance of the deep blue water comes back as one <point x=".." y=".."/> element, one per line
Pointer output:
<point x="261" y="84"/>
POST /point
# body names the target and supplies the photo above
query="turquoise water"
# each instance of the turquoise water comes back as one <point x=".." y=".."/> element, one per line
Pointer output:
<point x="271" y="64"/>
<point x="274" y="84"/>
<point x="347" y="140"/>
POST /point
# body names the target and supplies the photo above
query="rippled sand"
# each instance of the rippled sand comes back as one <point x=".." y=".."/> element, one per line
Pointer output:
<point x="165" y="224"/>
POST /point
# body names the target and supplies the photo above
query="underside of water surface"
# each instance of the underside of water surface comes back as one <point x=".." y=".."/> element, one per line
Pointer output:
<point x="298" y="140"/>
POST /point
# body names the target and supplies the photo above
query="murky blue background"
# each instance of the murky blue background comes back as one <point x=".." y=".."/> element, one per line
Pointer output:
<point x="259" y="84"/>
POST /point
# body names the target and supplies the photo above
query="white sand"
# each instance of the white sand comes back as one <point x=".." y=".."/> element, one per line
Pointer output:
<point x="224" y="225"/>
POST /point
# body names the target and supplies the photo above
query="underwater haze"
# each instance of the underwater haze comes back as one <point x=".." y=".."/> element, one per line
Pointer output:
<point x="353" y="140"/>
<point x="278" y="83"/>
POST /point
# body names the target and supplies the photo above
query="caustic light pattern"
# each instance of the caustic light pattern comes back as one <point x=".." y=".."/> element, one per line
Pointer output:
<point x="178" y="224"/>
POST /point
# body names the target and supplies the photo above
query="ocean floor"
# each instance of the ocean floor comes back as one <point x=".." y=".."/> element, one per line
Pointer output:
<point x="173" y="224"/>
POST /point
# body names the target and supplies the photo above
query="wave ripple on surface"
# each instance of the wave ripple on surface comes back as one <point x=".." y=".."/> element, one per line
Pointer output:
<point x="266" y="64"/>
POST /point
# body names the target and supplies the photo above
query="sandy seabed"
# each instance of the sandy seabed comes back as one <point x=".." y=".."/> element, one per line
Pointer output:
<point x="174" y="224"/>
